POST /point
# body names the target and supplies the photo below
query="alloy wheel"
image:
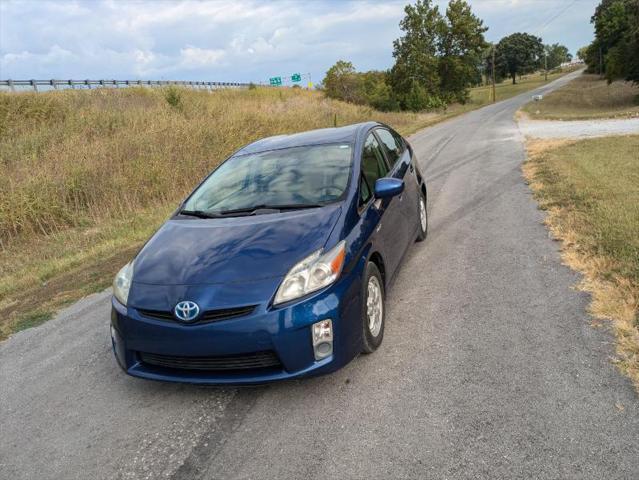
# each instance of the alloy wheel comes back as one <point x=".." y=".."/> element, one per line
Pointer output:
<point x="374" y="306"/>
<point x="422" y="215"/>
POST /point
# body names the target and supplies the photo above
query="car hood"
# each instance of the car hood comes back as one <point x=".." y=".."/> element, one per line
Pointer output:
<point x="231" y="250"/>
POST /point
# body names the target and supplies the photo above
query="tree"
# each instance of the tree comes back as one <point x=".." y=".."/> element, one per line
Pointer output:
<point x="615" y="50"/>
<point x="519" y="54"/>
<point x="415" y="54"/>
<point x="487" y="62"/>
<point x="436" y="61"/>
<point x="417" y="98"/>
<point x="590" y="55"/>
<point x="582" y="53"/>
<point x="343" y="82"/>
<point x="461" y="45"/>
<point x="556" y="55"/>
<point x="340" y="82"/>
<point x="376" y="92"/>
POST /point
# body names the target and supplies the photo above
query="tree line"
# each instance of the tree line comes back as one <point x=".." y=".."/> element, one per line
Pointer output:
<point x="438" y="58"/>
<point x="614" y="53"/>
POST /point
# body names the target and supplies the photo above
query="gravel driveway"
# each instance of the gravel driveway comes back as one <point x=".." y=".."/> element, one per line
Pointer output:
<point x="578" y="128"/>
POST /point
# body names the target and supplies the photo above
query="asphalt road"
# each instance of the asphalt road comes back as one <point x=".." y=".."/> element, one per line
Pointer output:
<point x="490" y="367"/>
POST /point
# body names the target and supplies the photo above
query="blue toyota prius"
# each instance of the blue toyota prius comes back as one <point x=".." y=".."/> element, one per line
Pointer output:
<point x="276" y="266"/>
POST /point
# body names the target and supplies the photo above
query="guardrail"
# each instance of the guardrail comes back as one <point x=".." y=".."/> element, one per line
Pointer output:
<point x="56" y="84"/>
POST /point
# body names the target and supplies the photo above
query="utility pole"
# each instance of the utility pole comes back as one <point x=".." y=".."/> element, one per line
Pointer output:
<point x="545" y="65"/>
<point x="600" y="62"/>
<point x="493" y="72"/>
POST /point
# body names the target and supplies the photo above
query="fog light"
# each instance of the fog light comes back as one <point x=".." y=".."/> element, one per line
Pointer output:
<point x="322" y="339"/>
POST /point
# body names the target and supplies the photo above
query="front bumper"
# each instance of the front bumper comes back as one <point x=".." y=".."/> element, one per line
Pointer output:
<point x="285" y="331"/>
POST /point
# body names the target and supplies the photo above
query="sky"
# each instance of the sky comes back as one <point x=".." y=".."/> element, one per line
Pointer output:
<point x="239" y="40"/>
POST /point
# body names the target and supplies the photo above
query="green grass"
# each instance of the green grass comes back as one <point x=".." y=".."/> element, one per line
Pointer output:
<point x="89" y="175"/>
<point x="591" y="190"/>
<point x="505" y="90"/>
<point x="599" y="180"/>
<point x="33" y="319"/>
<point x="587" y="97"/>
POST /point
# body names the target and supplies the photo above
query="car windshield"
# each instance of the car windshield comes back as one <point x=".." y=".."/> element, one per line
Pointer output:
<point x="292" y="177"/>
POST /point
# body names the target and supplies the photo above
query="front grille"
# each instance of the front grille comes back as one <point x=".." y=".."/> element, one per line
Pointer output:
<point x="157" y="314"/>
<point x="229" y="363"/>
<point x="206" y="317"/>
<point x="214" y="315"/>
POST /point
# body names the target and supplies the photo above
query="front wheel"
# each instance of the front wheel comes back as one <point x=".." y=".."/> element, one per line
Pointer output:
<point x="373" y="311"/>
<point x="423" y="219"/>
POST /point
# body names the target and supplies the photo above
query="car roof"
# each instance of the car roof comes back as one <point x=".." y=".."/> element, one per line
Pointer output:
<point x="347" y="134"/>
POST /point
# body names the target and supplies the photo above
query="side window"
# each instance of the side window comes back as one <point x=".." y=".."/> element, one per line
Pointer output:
<point x="373" y="163"/>
<point x="393" y="145"/>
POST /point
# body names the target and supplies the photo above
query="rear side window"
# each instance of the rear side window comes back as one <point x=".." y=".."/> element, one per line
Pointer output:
<point x="364" y="192"/>
<point x="393" y="145"/>
<point x="373" y="163"/>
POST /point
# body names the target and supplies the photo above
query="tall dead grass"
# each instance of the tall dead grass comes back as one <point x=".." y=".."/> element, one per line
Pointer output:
<point x="74" y="158"/>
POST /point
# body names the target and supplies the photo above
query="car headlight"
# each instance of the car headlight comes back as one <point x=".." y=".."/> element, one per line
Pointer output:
<point x="316" y="271"/>
<point x="122" y="283"/>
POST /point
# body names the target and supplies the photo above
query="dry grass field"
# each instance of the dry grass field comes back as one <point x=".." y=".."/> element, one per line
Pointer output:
<point x="590" y="189"/>
<point x="586" y="97"/>
<point x="72" y="159"/>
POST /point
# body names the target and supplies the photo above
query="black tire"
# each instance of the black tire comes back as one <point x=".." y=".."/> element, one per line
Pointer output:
<point x="422" y="232"/>
<point x="372" y="340"/>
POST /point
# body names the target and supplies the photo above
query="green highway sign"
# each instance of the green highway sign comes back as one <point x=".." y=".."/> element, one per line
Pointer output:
<point x="275" y="81"/>
<point x="296" y="77"/>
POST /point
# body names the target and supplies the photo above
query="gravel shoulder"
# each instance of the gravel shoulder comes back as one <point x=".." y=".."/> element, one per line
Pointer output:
<point x="577" y="129"/>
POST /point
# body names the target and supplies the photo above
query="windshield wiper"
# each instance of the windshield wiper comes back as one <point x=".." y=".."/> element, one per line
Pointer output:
<point x="279" y="207"/>
<point x="248" y="210"/>
<point x="198" y="214"/>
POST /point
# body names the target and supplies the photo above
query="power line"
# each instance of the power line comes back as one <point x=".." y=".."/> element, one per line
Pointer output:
<point x="557" y="15"/>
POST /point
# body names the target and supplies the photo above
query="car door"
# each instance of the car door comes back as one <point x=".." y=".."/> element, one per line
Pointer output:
<point x="399" y="159"/>
<point x="391" y="225"/>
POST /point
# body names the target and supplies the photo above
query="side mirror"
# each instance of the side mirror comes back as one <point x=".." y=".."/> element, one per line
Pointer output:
<point x="388" y="187"/>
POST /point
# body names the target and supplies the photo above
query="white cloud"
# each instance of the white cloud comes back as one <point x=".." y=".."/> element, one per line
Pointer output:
<point x="233" y="40"/>
<point x="53" y="55"/>
<point x="200" y="57"/>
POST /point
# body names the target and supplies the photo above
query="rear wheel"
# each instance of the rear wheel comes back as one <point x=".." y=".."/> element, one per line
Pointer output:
<point x="373" y="309"/>
<point x="423" y="219"/>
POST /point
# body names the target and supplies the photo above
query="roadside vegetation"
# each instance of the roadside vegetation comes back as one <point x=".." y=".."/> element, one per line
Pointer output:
<point x="588" y="96"/>
<point x="590" y="189"/>
<point x="614" y="53"/>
